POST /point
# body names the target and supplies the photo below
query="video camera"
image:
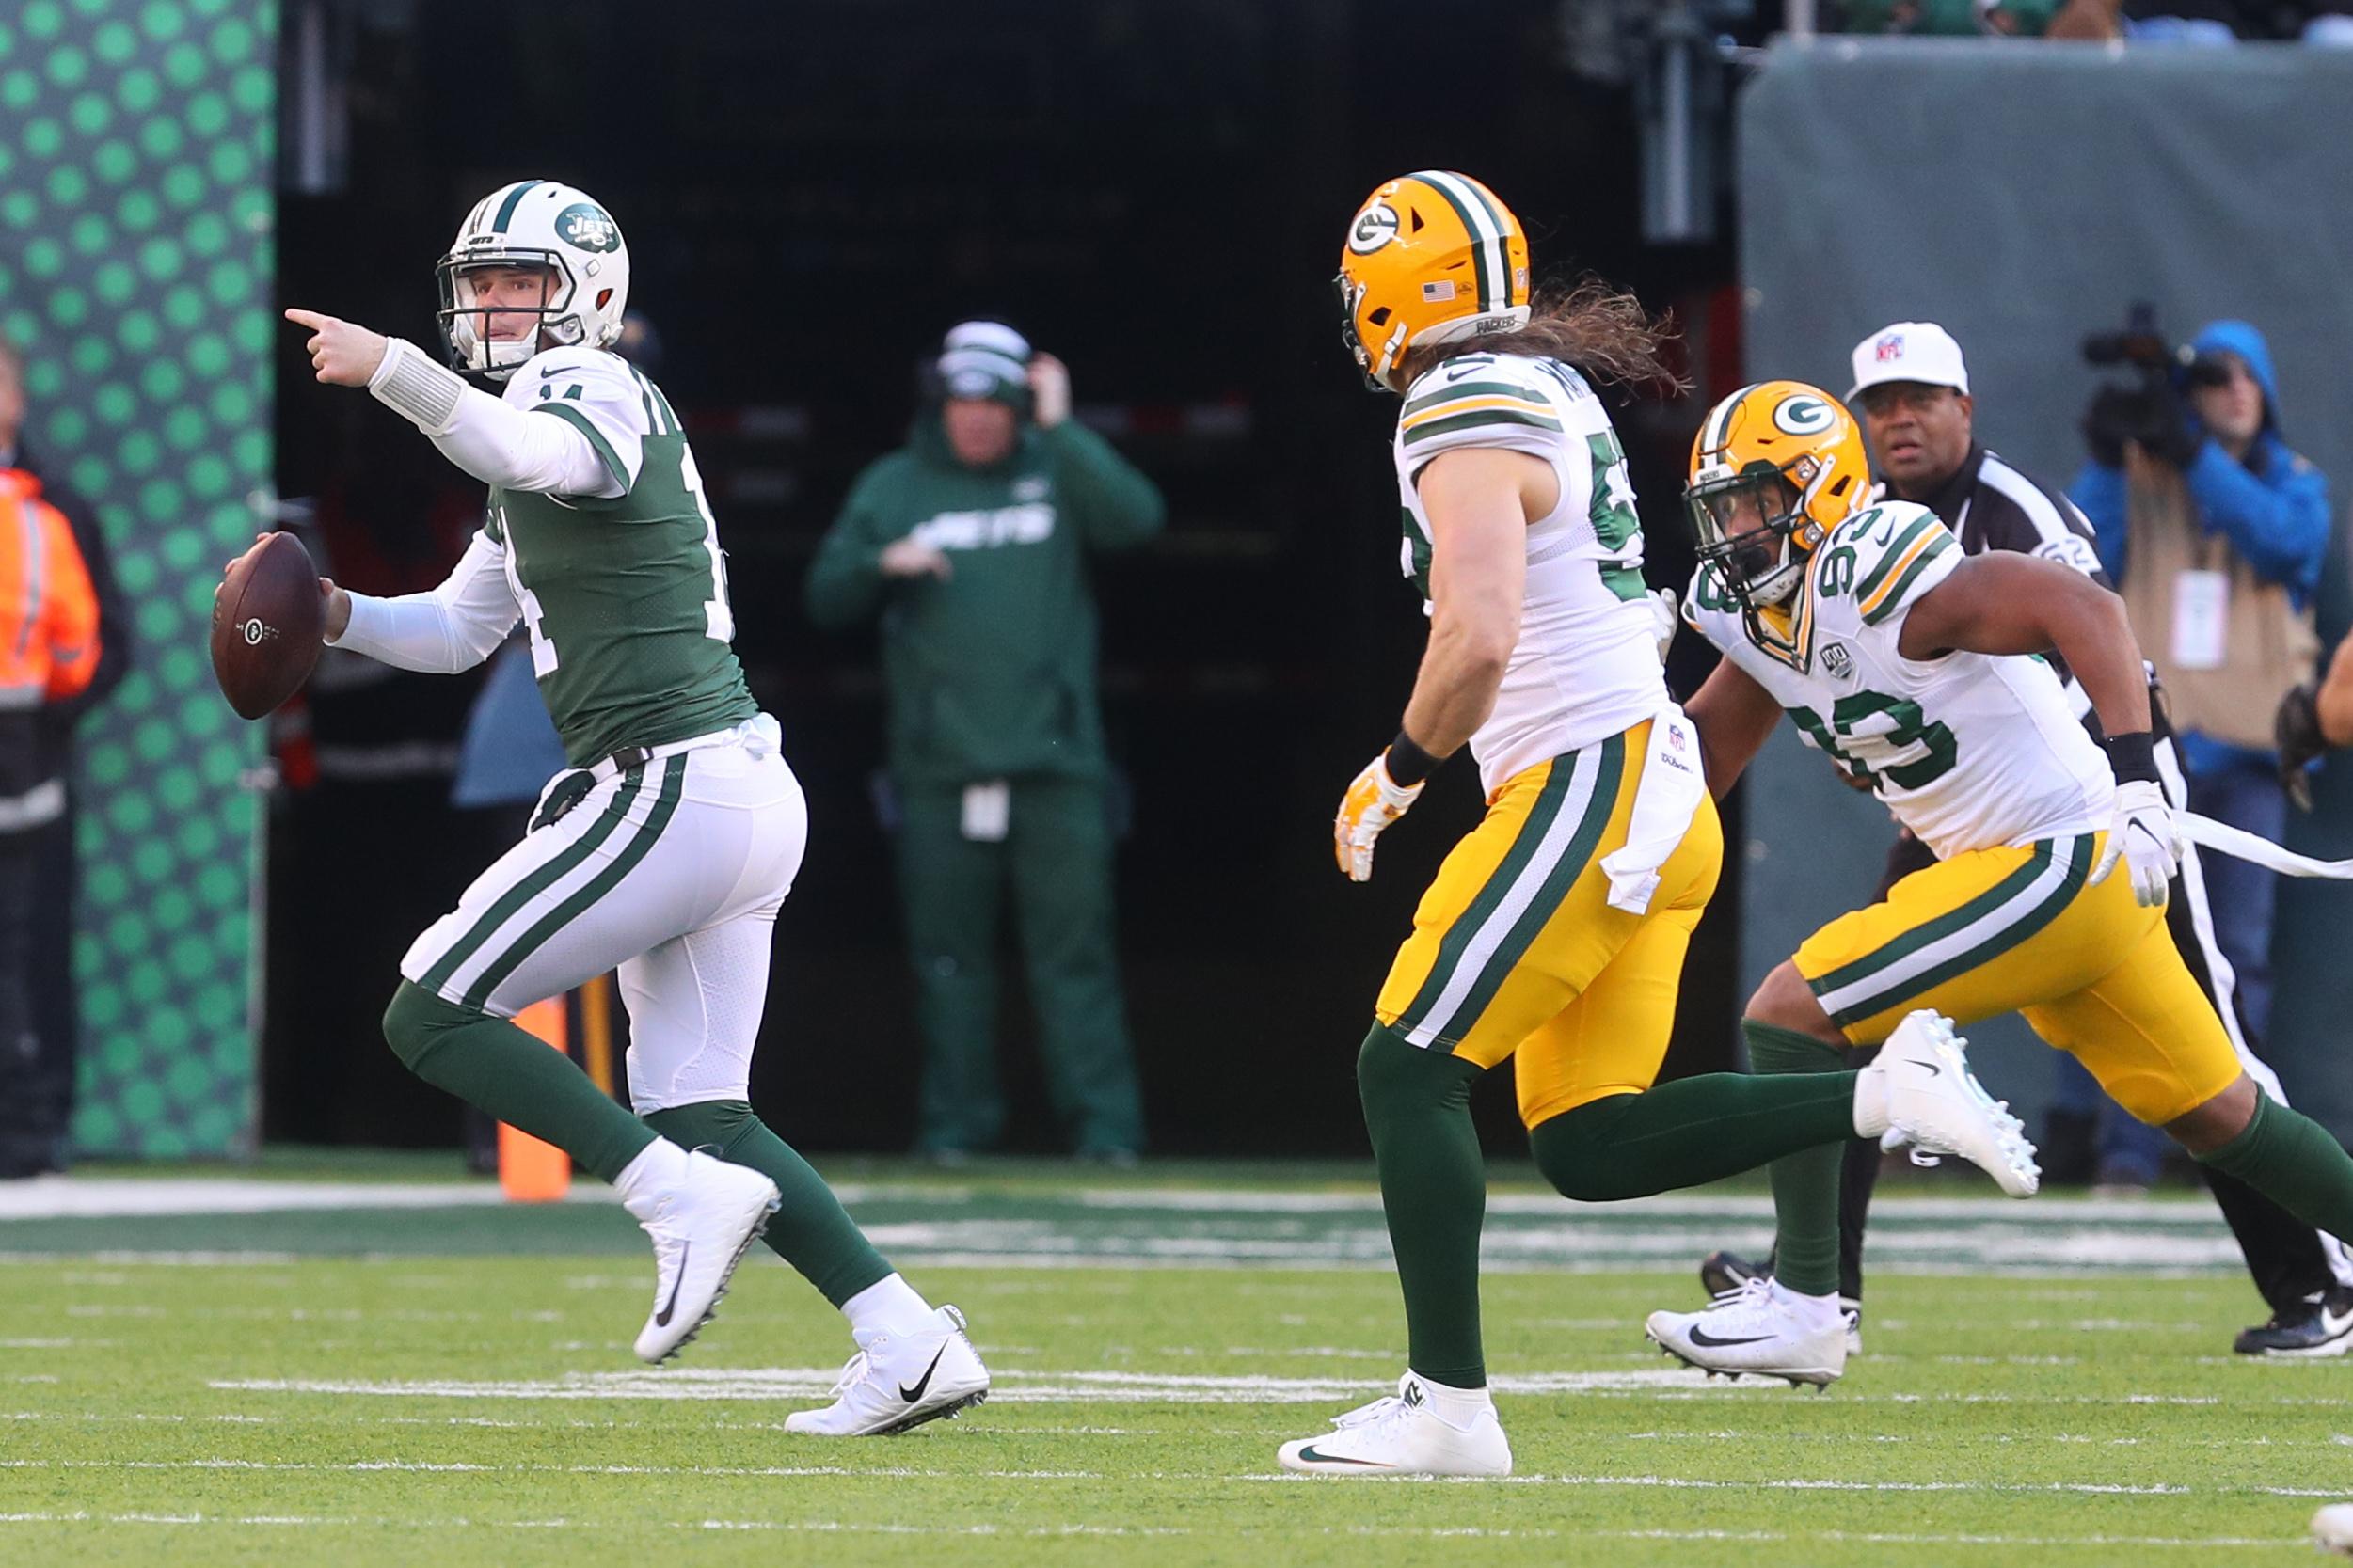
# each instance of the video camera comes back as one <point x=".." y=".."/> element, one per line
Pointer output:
<point x="2149" y="411"/>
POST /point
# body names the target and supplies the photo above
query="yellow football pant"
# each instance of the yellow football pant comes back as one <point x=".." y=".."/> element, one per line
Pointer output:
<point x="1515" y="949"/>
<point x="1991" y="931"/>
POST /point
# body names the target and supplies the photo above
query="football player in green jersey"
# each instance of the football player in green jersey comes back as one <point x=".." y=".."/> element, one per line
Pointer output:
<point x="668" y="845"/>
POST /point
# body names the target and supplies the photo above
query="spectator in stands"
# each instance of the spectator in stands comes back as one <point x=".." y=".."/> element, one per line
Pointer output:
<point x="1950" y="18"/>
<point x="40" y="1049"/>
<point x="2214" y="531"/>
<point x="970" y="544"/>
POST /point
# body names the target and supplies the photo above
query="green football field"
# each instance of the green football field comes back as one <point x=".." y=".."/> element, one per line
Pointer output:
<point x="354" y="1363"/>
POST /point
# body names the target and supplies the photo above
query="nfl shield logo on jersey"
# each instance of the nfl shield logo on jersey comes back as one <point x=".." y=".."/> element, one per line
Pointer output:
<point x="1839" y="662"/>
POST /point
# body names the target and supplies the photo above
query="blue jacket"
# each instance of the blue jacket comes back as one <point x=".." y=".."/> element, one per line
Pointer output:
<point x="2273" y="507"/>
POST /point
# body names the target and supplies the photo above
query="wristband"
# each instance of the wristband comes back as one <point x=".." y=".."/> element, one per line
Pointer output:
<point x="411" y="384"/>
<point x="1408" y="762"/>
<point x="2133" y="757"/>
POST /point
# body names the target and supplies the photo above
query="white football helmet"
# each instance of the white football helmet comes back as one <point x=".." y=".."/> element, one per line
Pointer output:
<point x="536" y="223"/>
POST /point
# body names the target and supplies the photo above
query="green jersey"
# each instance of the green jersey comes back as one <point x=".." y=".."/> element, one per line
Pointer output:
<point x="626" y="596"/>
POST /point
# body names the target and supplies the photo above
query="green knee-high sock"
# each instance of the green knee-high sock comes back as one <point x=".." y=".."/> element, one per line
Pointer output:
<point x="496" y="1067"/>
<point x="1692" y="1130"/>
<point x="2294" y="1161"/>
<point x="1417" y="1106"/>
<point x="811" y="1231"/>
<point x="1806" y="1183"/>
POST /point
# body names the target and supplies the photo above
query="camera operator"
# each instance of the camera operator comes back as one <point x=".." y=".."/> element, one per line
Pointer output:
<point x="2214" y="531"/>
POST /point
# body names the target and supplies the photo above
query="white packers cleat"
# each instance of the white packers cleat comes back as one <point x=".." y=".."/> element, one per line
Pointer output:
<point x="892" y="1384"/>
<point x="1404" y="1435"/>
<point x="1935" y="1104"/>
<point x="701" y="1230"/>
<point x="2332" y="1529"/>
<point x="1759" y="1328"/>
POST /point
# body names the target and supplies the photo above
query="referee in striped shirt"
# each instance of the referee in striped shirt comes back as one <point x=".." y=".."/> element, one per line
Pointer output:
<point x="1912" y="393"/>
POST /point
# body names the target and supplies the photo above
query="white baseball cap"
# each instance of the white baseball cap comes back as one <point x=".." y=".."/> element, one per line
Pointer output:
<point x="1909" y="350"/>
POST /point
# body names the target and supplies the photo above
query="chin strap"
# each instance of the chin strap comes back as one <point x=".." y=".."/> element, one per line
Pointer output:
<point x="2258" y="850"/>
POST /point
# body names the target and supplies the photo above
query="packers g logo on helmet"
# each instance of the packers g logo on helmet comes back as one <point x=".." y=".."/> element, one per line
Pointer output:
<point x="1431" y="258"/>
<point x="1375" y="228"/>
<point x="1775" y="467"/>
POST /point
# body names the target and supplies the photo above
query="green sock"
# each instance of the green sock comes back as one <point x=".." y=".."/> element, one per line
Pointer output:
<point x="496" y="1067"/>
<point x="1806" y="1183"/>
<point x="811" y="1231"/>
<point x="1417" y="1106"/>
<point x="1692" y="1130"/>
<point x="2294" y="1161"/>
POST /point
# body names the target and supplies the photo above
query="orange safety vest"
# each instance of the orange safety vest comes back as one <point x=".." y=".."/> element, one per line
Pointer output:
<point x="48" y="610"/>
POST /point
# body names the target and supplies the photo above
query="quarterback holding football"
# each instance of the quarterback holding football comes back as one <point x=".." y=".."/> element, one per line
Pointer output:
<point x="667" y="845"/>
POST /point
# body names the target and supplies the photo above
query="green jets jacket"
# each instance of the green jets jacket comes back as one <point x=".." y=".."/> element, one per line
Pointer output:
<point x="992" y="670"/>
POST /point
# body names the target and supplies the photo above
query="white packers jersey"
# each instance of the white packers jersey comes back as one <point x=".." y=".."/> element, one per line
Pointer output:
<point x="1587" y="665"/>
<point x="1969" y="750"/>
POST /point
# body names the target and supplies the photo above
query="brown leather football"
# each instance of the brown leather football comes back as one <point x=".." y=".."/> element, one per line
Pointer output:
<point x="266" y="621"/>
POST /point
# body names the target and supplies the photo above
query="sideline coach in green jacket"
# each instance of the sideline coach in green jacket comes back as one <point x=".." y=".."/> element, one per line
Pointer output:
<point x="970" y="542"/>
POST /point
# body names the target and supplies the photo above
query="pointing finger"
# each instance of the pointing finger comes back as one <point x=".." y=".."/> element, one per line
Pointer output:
<point x="308" y="318"/>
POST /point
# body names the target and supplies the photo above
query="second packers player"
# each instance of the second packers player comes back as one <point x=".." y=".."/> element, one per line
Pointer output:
<point x="1556" y="929"/>
<point x="669" y="845"/>
<point x="1917" y="666"/>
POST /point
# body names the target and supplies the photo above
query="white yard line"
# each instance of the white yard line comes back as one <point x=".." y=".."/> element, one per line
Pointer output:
<point x="838" y="1526"/>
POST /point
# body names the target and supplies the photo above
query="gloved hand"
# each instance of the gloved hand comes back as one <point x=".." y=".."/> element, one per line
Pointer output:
<point x="2296" y="729"/>
<point x="1372" y="803"/>
<point x="2111" y="420"/>
<point x="2167" y="432"/>
<point x="2143" y="836"/>
<point x="1666" y="618"/>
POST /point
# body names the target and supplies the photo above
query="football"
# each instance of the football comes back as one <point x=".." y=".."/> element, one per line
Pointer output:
<point x="266" y="621"/>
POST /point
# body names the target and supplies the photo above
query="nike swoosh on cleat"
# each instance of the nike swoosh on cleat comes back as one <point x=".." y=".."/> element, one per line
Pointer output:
<point x="1309" y="1452"/>
<point x="911" y="1395"/>
<point x="661" y="1319"/>
<point x="1701" y="1337"/>
<point x="1930" y="1068"/>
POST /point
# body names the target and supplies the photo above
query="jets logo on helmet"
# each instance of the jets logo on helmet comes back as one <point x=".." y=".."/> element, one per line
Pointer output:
<point x="1775" y="467"/>
<point x="585" y="224"/>
<point x="555" y="231"/>
<point x="1431" y="258"/>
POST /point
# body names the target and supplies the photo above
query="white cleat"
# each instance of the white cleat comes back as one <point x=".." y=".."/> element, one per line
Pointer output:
<point x="1757" y="1328"/>
<point x="1935" y="1104"/>
<point x="1403" y="1435"/>
<point x="893" y="1385"/>
<point x="701" y="1230"/>
<point x="2332" y="1529"/>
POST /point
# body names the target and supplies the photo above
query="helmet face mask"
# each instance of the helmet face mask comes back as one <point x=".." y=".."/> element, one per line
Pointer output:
<point x="466" y="324"/>
<point x="1743" y="524"/>
<point x="554" y="231"/>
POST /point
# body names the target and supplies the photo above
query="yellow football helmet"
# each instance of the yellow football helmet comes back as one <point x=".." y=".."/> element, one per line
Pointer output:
<point x="1432" y="257"/>
<point x="1775" y="467"/>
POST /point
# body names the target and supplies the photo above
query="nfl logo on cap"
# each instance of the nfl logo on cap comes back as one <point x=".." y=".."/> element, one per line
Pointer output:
<point x="1920" y="351"/>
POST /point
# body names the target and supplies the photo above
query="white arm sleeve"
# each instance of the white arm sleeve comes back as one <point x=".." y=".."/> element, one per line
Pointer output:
<point x="491" y="439"/>
<point x="454" y="628"/>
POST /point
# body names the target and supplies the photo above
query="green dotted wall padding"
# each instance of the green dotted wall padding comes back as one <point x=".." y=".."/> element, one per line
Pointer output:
<point x="136" y="213"/>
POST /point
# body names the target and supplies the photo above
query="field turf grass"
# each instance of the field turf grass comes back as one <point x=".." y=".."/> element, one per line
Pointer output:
<point x="372" y="1391"/>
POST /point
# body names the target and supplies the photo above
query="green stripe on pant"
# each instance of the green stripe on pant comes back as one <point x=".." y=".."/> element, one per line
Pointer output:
<point x="665" y="806"/>
<point x="535" y="882"/>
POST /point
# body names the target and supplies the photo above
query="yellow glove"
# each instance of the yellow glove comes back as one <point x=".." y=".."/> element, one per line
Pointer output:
<point x="1372" y="803"/>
